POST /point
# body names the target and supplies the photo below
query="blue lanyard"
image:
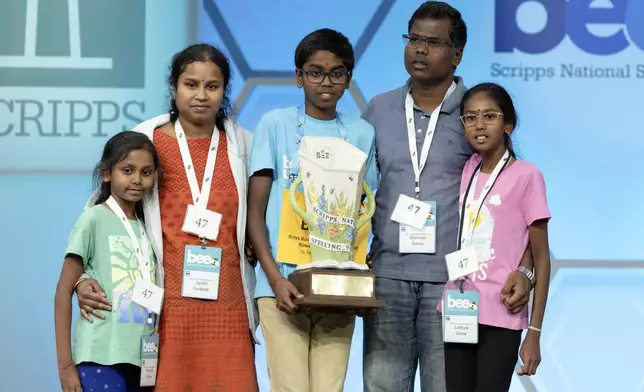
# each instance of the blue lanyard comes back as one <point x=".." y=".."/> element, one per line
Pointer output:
<point x="301" y="121"/>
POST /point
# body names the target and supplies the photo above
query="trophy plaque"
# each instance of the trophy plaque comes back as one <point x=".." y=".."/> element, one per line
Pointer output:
<point x="332" y="175"/>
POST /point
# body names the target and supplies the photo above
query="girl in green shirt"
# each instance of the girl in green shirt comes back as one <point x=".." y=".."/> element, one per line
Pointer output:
<point x="104" y="244"/>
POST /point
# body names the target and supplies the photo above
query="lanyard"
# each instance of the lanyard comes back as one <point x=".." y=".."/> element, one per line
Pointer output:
<point x="199" y="198"/>
<point x="142" y="252"/>
<point x="429" y="135"/>
<point x="301" y="120"/>
<point x="470" y="206"/>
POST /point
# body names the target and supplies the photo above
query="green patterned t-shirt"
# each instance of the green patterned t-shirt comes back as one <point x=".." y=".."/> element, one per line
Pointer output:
<point x="101" y="240"/>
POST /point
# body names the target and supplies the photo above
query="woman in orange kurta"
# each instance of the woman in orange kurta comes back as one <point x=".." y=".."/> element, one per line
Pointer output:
<point x="205" y="345"/>
<point x="213" y="333"/>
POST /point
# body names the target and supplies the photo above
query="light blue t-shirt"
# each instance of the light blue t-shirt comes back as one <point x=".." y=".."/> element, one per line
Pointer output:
<point x="274" y="147"/>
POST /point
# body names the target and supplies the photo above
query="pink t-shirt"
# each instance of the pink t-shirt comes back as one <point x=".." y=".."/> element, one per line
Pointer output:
<point x="517" y="199"/>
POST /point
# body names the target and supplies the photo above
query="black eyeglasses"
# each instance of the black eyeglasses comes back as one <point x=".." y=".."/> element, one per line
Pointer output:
<point x="316" y="76"/>
<point x="431" y="43"/>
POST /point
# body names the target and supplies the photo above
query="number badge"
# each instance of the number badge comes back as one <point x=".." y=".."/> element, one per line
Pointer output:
<point x="148" y="295"/>
<point x="411" y="212"/>
<point x="461" y="263"/>
<point x="202" y="223"/>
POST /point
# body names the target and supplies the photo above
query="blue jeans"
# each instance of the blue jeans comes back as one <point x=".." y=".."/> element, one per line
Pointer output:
<point x="406" y="332"/>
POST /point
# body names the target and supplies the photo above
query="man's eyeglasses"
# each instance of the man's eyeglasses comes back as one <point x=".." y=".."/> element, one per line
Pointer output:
<point x="316" y="76"/>
<point x="431" y="43"/>
<point x="470" y="119"/>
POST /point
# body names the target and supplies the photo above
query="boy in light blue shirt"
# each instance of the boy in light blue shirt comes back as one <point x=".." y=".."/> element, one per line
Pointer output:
<point x="305" y="351"/>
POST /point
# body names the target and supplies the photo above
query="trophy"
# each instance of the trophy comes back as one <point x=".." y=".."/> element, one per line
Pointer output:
<point x="332" y="175"/>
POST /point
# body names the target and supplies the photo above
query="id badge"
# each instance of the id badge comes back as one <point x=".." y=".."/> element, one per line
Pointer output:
<point x="201" y="268"/>
<point x="201" y="222"/>
<point x="461" y="263"/>
<point x="149" y="359"/>
<point x="461" y="317"/>
<point x="412" y="240"/>
<point x="411" y="212"/>
<point x="148" y="295"/>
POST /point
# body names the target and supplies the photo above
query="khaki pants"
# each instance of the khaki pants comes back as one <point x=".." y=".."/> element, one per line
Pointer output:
<point x="305" y="352"/>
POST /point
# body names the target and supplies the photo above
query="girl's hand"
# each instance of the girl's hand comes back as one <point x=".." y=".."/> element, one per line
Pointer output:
<point x="516" y="291"/>
<point x="530" y="354"/>
<point x="69" y="380"/>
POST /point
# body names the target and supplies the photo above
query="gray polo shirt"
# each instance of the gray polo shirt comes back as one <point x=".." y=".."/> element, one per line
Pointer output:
<point x="439" y="181"/>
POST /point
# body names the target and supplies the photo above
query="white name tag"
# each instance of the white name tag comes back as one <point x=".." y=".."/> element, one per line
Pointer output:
<point x="411" y="212"/>
<point x="148" y="295"/>
<point x="461" y="263"/>
<point x="149" y="359"/>
<point x="461" y="317"/>
<point x="201" y="269"/>
<point x="412" y="240"/>
<point x="201" y="222"/>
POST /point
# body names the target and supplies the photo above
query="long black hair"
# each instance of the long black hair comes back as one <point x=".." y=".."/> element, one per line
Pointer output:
<point x="502" y="98"/>
<point x="116" y="149"/>
<point x="200" y="52"/>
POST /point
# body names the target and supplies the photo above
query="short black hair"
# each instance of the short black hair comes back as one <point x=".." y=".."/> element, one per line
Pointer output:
<point x="325" y="39"/>
<point x="503" y="100"/>
<point x="442" y="10"/>
<point x="200" y="52"/>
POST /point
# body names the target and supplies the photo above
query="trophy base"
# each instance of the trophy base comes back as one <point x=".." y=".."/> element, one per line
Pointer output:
<point x="336" y="290"/>
<point x="330" y="264"/>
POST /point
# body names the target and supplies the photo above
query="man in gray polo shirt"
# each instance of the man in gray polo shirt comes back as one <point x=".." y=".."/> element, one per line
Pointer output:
<point x="411" y="280"/>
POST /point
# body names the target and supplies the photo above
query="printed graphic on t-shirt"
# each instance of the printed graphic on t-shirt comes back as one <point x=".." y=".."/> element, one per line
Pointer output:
<point x="482" y="239"/>
<point x="286" y="169"/>
<point x="124" y="274"/>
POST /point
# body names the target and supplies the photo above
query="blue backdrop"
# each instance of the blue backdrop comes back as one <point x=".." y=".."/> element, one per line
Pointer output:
<point x="575" y="70"/>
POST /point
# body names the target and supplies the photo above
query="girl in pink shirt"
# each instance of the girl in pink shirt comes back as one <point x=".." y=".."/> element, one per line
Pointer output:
<point x="513" y="214"/>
